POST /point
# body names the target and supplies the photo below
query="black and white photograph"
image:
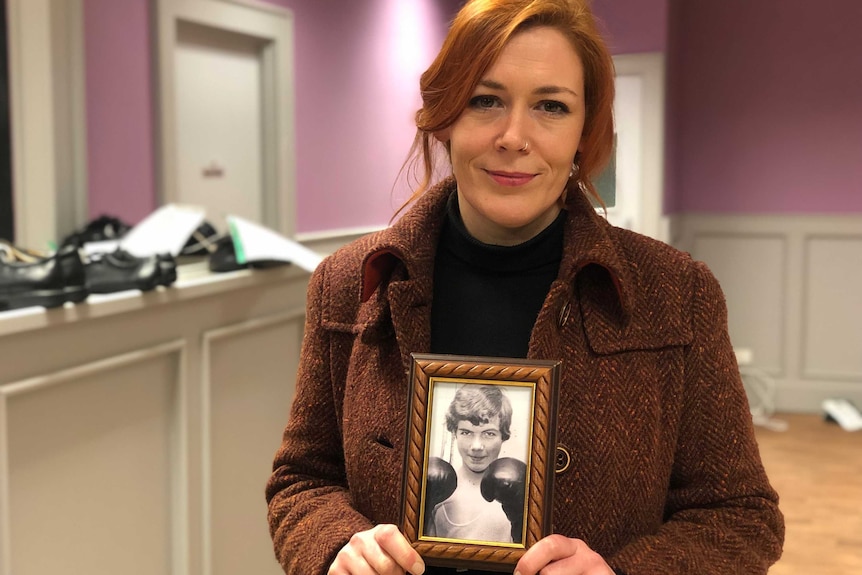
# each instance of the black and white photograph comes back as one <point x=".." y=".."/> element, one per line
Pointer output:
<point x="477" y="476"/>
<point x="479" y="459"/>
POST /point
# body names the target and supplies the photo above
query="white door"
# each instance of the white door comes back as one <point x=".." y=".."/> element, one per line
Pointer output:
<point x="218" y="82"/>
<point x="225" y="109"/>
<point x="639" y="118"/>
<point x="626" y="210"/>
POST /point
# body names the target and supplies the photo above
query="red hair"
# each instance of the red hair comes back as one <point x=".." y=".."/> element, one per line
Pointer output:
<point x="476" y="37"/>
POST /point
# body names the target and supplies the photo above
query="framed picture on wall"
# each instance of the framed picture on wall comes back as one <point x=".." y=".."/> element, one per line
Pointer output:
<point x="480" y="458"/>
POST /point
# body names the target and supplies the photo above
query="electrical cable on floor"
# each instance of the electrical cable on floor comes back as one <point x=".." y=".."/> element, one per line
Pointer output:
<point x="760" y="388"/>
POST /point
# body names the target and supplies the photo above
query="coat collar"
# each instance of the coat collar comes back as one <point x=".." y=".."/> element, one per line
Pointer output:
<point x="411" y="243"/>
<point x="588" y="242"/>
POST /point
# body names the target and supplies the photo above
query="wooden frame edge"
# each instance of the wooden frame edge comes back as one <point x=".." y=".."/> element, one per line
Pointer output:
<point x="544" y="375"/>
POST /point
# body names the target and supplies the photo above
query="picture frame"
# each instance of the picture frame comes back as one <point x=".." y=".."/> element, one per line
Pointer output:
<point x="515" y="468"/>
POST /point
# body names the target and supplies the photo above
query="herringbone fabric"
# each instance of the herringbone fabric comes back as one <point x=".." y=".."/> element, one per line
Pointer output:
<point x="665" y="474"/>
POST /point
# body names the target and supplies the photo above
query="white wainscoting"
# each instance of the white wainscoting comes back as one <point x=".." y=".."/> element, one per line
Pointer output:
<point x="137" y="431"/>
<point x="328" y="241"/>
<point x="794" y="293"/>
<point x="248" y="382"/>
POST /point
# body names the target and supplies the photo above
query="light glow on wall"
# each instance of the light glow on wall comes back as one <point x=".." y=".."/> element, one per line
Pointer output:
<point x="414" y="42"/>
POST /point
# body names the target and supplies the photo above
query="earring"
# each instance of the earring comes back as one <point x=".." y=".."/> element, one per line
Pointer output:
<point x="576" y="169"/>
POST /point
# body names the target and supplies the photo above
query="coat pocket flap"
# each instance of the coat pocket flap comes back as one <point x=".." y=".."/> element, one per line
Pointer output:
<point x="651" y="325"/>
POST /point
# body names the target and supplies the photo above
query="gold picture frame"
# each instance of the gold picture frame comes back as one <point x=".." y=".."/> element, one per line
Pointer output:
<point x="533" y="387"/>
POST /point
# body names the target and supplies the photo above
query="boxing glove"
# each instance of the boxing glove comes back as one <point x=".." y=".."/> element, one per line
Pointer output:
<point x="440" y="484"/>
<point x="505" y="481"/>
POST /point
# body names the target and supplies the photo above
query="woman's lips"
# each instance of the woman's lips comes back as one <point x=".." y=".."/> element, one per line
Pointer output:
<point x="510" y="178"/>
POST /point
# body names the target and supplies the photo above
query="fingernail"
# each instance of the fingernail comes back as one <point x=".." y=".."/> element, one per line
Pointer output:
<point x="418" y="568"/>
<point x="517" y="573"/>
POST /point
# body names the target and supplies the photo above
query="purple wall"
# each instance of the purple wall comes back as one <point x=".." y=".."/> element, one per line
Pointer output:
<point x="765" y="106"/>
<point x="633" y="26"/>
<point x="119" y="110"/>
<point x="357" y="78"/>
<point x="357" y="68"/>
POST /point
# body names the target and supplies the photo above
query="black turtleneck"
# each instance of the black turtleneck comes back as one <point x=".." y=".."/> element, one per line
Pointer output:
<point x="487" y="297"/>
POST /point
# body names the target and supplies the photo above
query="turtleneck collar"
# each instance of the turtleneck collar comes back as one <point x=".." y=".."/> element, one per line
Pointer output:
<point x="541" y="250"/>
<point x="412" y="242"/>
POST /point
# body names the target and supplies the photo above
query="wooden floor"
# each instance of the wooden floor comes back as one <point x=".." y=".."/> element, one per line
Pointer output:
<point x="816" y="467"/>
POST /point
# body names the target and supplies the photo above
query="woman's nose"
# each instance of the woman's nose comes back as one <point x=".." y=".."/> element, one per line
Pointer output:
<point x="513" y="131"/>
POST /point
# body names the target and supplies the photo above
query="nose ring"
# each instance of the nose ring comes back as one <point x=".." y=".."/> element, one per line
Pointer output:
<point x="526" y="145"/>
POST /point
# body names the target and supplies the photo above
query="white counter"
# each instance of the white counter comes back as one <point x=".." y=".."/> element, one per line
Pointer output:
<point x="137" y="430"/>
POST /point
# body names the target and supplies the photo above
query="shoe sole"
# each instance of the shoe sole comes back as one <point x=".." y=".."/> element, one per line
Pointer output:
<point x="166" y="278"/>
<point x="76" y="294"/>
<point x="49" y="298"/>
<point x="150" y="284"/>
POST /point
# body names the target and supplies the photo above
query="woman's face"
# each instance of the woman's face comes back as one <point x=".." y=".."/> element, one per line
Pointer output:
<point x="533" y="94"/>
<point x="479" y="445"/>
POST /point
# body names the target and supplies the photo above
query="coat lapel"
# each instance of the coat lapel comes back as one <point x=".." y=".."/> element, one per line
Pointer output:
<point x="398" y="271"/>
<point x="410" y="304"/>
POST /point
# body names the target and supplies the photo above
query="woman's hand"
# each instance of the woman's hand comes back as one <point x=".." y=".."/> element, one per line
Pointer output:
<point x="382" y="550"/>
<point x="558" y="555"/>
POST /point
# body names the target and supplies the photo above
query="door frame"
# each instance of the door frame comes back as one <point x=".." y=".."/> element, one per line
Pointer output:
<point x="650" y="68"/>
<point x="47" y="113"/>
<point x="273" y="27"/>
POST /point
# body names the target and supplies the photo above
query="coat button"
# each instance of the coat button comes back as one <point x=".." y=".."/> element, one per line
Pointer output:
<point x="563" y="458"/>
<point x="564" y="314"/>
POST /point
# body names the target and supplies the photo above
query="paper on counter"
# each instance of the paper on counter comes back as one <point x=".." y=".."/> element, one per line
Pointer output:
<point x="166" y="230"/>
<point x="253" y="242"/>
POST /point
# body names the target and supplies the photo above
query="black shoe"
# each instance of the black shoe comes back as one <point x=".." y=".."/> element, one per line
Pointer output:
<point x="32" y="279"/>
<point x="101" y="229"/>
<point x="120" y="271"/>
<point x="167" y="269"/>
<point x="223" y="259"/>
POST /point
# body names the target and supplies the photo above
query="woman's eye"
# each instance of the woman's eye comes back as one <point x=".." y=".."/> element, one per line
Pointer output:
<point x="483" y="101"/>
<point x="554" y="107"/>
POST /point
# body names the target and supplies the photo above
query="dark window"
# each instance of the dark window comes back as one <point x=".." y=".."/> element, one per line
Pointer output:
<point x="7" y="229"/>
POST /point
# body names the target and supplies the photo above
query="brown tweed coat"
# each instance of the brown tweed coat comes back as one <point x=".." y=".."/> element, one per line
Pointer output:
<point x="666" y="475"/>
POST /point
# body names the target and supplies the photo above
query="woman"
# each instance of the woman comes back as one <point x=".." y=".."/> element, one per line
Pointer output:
<point x="508" y="257"/>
